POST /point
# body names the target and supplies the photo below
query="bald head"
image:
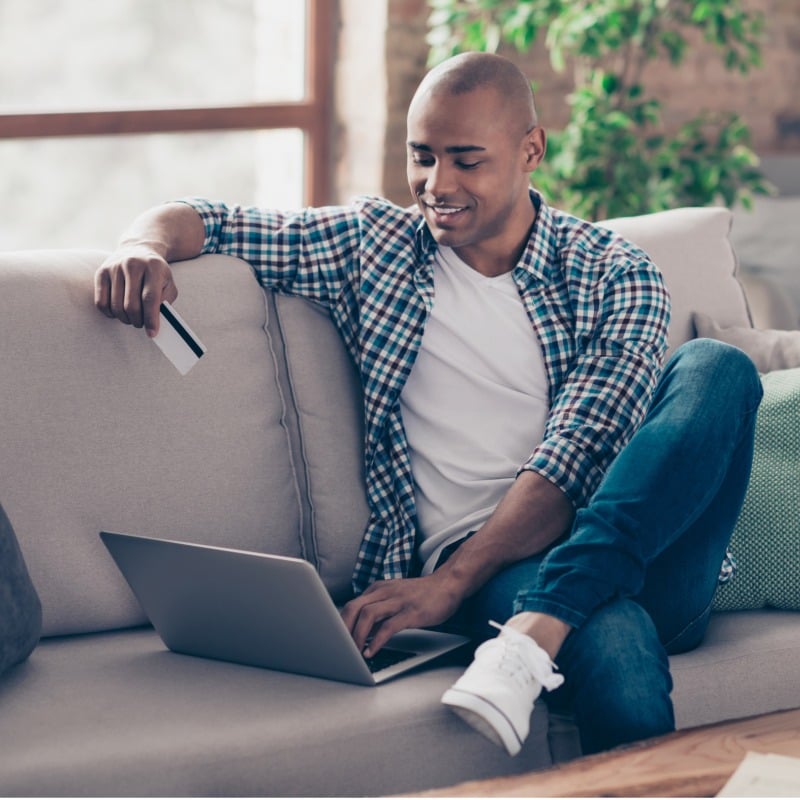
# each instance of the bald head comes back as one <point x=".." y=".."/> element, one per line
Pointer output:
<point x="468" y="72"/>
<point x="472" y="145"/>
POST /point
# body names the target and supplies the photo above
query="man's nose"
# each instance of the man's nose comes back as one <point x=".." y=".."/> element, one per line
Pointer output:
<point x="440" y="181"/>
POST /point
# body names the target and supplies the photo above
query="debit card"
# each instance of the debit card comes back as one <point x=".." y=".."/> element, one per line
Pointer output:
<point x="177" y="341"/>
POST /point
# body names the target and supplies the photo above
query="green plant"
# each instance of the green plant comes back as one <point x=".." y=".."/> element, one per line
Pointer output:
<point x="614" y="157"/>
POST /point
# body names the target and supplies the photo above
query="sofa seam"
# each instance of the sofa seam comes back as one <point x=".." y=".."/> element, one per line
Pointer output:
<point x="308" y="537"/>
<point x="737" y="270"/>
<point x="280" y="363"/>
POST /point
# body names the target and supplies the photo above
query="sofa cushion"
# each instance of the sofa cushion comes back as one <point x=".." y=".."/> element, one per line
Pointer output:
<point x="766" y="541"/>
<point x="99" y="430"/>
<point x="770" y="349"/>
<point x="324" y="395"/>
<point x="691" y="248"/>
<point x="746" y="665"/>
<point x="116" y="714"/>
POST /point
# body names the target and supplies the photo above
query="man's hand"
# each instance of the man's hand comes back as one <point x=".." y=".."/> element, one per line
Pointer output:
<point x="388" y="607"/>
<point x="532" y="515"/>
<point x="131" y="284"/>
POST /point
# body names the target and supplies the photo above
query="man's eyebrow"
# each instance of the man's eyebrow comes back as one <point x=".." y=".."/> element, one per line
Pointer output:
<point x="454" y="149"/>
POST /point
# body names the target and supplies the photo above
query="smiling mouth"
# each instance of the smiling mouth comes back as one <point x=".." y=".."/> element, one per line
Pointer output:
<point x="444" y="211"/>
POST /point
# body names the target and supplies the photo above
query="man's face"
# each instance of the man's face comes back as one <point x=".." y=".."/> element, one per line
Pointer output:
<point x="468" y="169"/>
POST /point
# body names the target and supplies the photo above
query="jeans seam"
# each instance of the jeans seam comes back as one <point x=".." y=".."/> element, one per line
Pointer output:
<point x="548" y="606"/>
<point x="688" y="625"/>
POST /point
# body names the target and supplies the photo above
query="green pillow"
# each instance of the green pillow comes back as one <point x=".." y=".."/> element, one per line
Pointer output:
<point x="766" y="540"/>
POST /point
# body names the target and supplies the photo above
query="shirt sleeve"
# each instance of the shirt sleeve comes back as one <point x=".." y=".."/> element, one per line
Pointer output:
<point x="608" y="389"/>
<point x="307" y="253"/>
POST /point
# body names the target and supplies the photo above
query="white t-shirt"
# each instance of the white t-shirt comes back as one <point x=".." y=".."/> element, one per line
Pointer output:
<point x="475" y="403"/>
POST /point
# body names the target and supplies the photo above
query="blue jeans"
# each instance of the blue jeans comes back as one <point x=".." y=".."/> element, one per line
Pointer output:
<point x="637" y="573"/>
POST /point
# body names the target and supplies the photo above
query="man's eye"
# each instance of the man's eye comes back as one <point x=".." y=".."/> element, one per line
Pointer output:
<point x="468" y="164"/>
<point x="422" y="162"/>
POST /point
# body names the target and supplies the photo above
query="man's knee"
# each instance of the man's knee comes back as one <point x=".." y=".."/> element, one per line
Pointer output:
<point x="20" y="608"/>
<point x="713" y="363"/>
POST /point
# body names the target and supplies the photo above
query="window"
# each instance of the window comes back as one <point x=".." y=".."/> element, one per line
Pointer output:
<point x="110" y="106"/>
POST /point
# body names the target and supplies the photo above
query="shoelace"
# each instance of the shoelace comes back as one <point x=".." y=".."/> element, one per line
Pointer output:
<point x="527" y="659"/>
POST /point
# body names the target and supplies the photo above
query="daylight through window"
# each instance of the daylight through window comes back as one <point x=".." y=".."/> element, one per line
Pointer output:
<point x="109" y="107"/>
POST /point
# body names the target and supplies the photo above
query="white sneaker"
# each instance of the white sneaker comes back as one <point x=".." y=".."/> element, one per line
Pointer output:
<point x="497" y="692"/>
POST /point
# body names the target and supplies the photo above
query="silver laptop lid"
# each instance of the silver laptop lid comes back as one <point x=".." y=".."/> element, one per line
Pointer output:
<point x="252" y="608"/>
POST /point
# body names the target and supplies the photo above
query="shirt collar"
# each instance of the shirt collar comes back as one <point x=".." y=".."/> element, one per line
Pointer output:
<point x="540" y="254"/>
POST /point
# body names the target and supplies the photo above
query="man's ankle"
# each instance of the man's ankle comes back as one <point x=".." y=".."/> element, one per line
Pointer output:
<point x="548" y="632"/>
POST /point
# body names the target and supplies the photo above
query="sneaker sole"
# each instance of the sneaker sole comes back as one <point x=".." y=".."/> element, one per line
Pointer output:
<point x="484" y="717"/>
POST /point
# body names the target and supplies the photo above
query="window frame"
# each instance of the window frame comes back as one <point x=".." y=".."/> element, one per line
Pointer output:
<point x="312" y="114"/>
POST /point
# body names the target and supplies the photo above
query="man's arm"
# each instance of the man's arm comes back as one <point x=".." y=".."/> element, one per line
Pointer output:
<point x="531" y="516"/>
<point x="311" y="253"/>
<point x="134" y="280"/>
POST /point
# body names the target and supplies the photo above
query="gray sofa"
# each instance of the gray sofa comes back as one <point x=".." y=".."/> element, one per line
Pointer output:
<point x="259" y="447"/>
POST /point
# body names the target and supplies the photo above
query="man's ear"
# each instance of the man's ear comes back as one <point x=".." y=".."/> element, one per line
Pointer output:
<point x="534" y="147"/>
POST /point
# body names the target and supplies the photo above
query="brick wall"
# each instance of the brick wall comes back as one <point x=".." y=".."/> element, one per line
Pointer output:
<point x="360" y="90"/>
<point x="407" y="56"/>
<point x="769" y="99"/>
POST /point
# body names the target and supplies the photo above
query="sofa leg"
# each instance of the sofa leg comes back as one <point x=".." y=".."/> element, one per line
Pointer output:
<point x="20" y="608"/>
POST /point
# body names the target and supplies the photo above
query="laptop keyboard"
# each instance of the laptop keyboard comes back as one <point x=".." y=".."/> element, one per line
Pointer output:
<point x="386" y="657"/>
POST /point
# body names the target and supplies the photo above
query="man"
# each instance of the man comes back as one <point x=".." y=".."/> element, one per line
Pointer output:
<point x="524" y="461"/>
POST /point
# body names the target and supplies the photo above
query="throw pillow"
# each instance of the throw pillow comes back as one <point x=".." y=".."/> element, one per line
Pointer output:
<point x="766" y="540"/>
<point x="20" y="609"/>
<point x="770" y="349"/>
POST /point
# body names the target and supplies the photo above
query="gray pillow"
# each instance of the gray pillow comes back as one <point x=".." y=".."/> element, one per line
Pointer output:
<point x="770" y="349"/>
<point x="20" y="609"/>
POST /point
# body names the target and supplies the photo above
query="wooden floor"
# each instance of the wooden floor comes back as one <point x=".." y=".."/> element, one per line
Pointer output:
<point x="691" y="763"/>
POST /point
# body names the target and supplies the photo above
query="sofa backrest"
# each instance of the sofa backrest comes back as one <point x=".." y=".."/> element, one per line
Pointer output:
<point x="99" y="431"/>
<point x="258" y="447"/>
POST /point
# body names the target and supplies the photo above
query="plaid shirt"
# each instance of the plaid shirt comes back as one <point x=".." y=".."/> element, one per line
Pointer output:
<point x="596" y="302"/>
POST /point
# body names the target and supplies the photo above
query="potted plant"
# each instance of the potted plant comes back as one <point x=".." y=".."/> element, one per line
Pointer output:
<point x="614" y="157"/>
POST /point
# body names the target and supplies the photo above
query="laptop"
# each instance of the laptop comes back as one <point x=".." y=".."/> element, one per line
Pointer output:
<point x="257" y="609"/>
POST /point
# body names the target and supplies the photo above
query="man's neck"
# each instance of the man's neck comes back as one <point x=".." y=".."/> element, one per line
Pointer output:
<point x="500" y="255"/>
<point x="493" y="261"/>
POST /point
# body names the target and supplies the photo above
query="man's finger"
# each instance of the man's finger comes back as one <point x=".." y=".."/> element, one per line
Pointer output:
<point x="170" y="293"/>
<point x="151" y="303"/>
<point x="133" y="298"/>
<point x="384" y="631"/>
<point x="352" y="609"/>
<point x="369" y="618"/>
<point x="102" y="292"/>
<point x="117" y="297"/>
